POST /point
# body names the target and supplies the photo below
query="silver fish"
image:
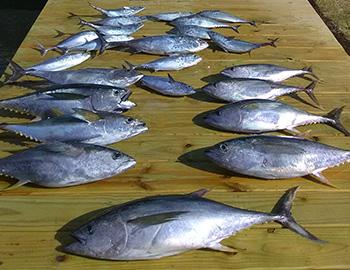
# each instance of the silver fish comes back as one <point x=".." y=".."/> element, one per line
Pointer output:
<point x="170" y="16"/>
<point x="115" y="39"/>
<point x="267" y="72"/>
<point x="114" y="30"/>
<point x="174" y="62"/>
<point x="202" y="21"/>
<point x="159" y="226"/>
<point x="121" y="20"/>
<point x="100" y="128"/>
<point x="103" y="76"/>
<point x="191" y="30"/>
<point x="64" y="164"/>
<point x="274" y="157"/>
<point x="260" y="115"/>
<point x="123" y="11"/>
<point x="224" y="16"/>
<point x="61" y="62"/>
<point x="233" y="45"/>
<point x="166" y="86"/>
<point x="232" y="90"/>
<point x="74" y="40"/>
<point x="65" y="99"/>
<point x="167" y="44"/>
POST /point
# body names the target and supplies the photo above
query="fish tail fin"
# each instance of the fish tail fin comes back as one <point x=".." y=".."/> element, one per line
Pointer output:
<point x="40" y="47"/>
<point x="253" y="23"/>
<point x="97" y="8"/>
<point x="17" y="72"/>
<point x="72" y="15"/>
<point x="282" y="210"/>
<point x="309" y="71"/>
<point x="131" y="66"/>
<point x="270" y="43"/>
<point x="59" y="33"/>
<point x="235" y="28"/>
<point x="82" y="22"/>
<point x="309" y="90"/>
<point x="334" y="117"/>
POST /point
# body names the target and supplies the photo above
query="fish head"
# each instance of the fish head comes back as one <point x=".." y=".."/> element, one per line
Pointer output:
<point x="109" y="99"/>
<point x="202" y="44"/>
<point x="126" y="77"/>
<point x="194" y="58"/>
<point x="236" y="72"/>
<point x="223" y="117"/>
<point x="118" y="123"/>
<point x="99" y="238"/>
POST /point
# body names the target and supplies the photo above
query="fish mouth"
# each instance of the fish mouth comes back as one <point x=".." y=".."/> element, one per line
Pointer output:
<point x="210" y="153"/>
<point x="127" y="104"/>
<point x="126" y="95"/>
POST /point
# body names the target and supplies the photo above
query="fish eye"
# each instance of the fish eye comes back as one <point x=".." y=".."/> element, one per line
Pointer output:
<point x="218" y="113"/>
<point x="224" y="147"/>
<point x="89" y="228"/>
<point x="116" y="155"/>
<point x="129" y="120"/>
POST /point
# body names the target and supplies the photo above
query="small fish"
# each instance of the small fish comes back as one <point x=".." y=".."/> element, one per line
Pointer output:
<point x="103" y="76"/>
<point x="61" y="164"/>
<point x="61" y="62"/>
<point x="167" y="44"/>
<point x="174" y="62"/>
<point x="67" y="98"/>
<point x="260" y="115"/>
<point x="114" y="30"/>
<point x="120" y="21"/>
<point x="72" y="41"/>
<point x="233" y="45"/>
<point x="100" y="128"/>
<point x="167" y="86"/>
<point x="170" y="16"/>
<point x="202" y="21"/>
<point x="232" y="90"/>
<point x="123" y="11"/>
<point x="191" y="30"/>
<point x="224" y="16"/>
<point x="165" y="225"/>
<point x="267" y="72"/>
<point x="275" y="157"/>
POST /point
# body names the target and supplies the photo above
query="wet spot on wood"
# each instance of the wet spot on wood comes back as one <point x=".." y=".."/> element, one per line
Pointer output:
<point x="315" y="138"/>
<point x="60" y="258"/>
<point x="235" y="187"/>
<point x="271" y="230"/>
<point x="146" y="169"/>
<point x="1" y="262"/>
<point x="144" y="185"/>
<point x="290" y="58"/>
<point x="303" y="199"/>
<point x="188" y="145"/>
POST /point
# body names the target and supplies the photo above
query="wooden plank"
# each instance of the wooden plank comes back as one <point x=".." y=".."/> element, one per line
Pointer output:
<point x="169" y="156"/>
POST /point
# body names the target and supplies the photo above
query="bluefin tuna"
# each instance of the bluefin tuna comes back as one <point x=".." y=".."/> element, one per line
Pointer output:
<point x="123" y="11"/>
<point x="170" y="16"/>
<point x="191" y="30"/>
<point x="267" y="72"/>
<point x="167" y="86"/>
<point x="277" y="157"/>
<point x="233" y="45"/>
<point x="260" y="115"/>
<point x="64" y="164"/>
<point x="224" y="16"/>
<point x="165" y="225"/>
<point x="99" y="128"/>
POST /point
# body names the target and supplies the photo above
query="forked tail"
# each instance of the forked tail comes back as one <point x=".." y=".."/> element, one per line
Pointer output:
<point x="97" y="8"/>
<point x="40" y="47"/>
<point x="235" y="28"/>
<point x="17" y="72"/>
<point x="282" y="209"/>
<point x="309" y="90"/>
<point x="270" y="43"/>
<point x="334" y="120"/>
<point x="309" y="71"/>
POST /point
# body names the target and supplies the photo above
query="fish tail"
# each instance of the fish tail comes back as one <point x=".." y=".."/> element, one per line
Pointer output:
<point x="334" y="117"/>
<point x="72" y="15"/>
<point x="17" y="72"/>
<point x="59" y="33"/>
<point x="235" y="28"/>
<point x="282" y="210"/>
<point x="270" y="43"/>
<point x="253" y="23"/>
<point x="309" y="71"/>
<point x="82" y="22"/>
<point x="42" y="49"/>
<point x="131" y="66"/>
<point x="309" y="90"/>
<point x="97" y="8"/>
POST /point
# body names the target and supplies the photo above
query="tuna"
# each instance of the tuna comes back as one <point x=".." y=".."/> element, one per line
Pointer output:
<point x="114" y="30"/>
<point x="165" y="225"/>
<point x="277" y="157"/>
<point x="120" y="21"/>
<point x="191" y="30"/>
<point x="267" y="72"/>
<point x="260" y="115"/>
<point x="123" y="11"/>
<point x="170" y="16"/>
<point x="224" y="16"/>
<point x="64" y="164"/>
<point x="167" y="86"/>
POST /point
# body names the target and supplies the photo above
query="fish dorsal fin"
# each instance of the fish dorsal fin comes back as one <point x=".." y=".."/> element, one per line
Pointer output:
<point x="63" y="148"/>
<point x="86" y="115"/>
<point x="156" y="219"/>
<point x="199" y="193"/>
<point x="67" y="96"/>
<point x="170" y="78"/>
<point x="55" y="112"/>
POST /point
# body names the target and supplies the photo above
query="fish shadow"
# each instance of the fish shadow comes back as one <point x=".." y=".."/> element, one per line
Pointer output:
<point x="202" y="96"/>
<point x="63" y="235"/>
<point x="36" y="85"/>
<point x="213" y="78"/>
<point x="300" y="99"/>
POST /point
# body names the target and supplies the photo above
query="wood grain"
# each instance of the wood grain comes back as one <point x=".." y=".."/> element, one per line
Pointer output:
<point x="34" y="221"/>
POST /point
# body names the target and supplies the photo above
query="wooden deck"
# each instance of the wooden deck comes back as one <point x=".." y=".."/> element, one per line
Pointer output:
<point x="30" y="217"/>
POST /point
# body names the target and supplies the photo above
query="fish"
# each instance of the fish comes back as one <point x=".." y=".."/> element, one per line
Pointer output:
<point x="61" y="62"/>
<point x="100" y="128"/>
<point x="170" y="16"/>
<point x="167" y="44"/>
<point x="191" y="30"/>
<point x="59" y="164"/>
<point x="120" y="21"/>
<point x="69" y="97"/>
<point x="103" y="76"/>
<point x="173" y="62"/>
<point x="231" y="90"/>
<point x="233" y="45"/>
<point x="166" y="86"/>
<point x="164" y="225"/>
<point x="123" y="11"/>
<point x="225" y="17"/>
<point x="267" y="72"/>
<point x="277" y="157"/>
<point x="261" y="115"/>
<point x="114" y="30"/>
<point x="202" y="21"/>
<point x="72" y="41"/>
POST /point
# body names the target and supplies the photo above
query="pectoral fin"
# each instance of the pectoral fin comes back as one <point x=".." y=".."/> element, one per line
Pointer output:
<point x="220" y="247"/>
<point x="156" y="219"/>
<point x="16" y="185"/>
<point x="322" y="179"/>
